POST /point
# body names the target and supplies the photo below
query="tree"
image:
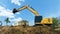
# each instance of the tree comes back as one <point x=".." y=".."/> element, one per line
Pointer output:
<point x="55" y="22"/>
<point x="7" y="21"/>
<point x="0" y="23"/>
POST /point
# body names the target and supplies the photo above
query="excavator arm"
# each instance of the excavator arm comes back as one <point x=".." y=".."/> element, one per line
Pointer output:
<point x="26" y="7"/>
<point x="17" y="10"/>
<point x="22" y="8"/>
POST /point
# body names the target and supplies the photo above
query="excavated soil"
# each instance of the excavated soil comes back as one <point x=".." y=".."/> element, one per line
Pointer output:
<point x="28" y="30"/>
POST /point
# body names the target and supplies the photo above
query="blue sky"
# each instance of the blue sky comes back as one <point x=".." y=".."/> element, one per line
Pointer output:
<point x="46" y="8"/>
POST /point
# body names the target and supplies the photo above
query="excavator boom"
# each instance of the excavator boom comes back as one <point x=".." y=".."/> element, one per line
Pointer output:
<point x="29" y="8"/>
<point x="33" y="11"/>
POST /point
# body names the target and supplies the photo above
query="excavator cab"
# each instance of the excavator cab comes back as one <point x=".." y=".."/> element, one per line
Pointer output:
<point x="38" y="20"/>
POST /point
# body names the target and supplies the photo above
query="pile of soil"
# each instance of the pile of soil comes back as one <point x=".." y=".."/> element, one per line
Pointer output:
<point x="28" y="30"/>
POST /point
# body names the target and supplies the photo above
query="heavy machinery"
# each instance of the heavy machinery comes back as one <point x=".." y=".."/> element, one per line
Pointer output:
<point x="39" y="20"/>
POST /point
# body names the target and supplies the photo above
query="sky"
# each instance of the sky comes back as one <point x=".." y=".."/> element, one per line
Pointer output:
<point x="46" y="8"/>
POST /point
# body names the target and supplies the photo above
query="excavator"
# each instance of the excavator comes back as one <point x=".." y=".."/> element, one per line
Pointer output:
<point x="39" y="20"/>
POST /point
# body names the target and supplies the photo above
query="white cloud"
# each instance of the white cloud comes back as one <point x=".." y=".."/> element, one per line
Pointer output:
<point x="17" y="13"/>
<point x="18" y="2"/>
<point x="6" y="12"/>
<point x="16" y="19"/>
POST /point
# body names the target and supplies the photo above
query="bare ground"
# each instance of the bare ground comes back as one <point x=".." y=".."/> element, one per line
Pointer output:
<point x="28" y="30"/>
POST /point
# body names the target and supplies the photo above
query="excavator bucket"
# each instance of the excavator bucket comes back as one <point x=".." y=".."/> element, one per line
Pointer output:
<point x="15" y="10"/>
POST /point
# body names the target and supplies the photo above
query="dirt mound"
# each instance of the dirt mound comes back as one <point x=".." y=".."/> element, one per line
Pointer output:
<point x="28" y="30"/>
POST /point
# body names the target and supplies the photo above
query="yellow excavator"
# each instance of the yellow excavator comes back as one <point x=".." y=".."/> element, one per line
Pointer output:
<point x="38" y="18"/>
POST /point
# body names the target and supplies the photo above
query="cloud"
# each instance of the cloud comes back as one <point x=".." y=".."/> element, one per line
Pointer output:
<point x="18" y="2"/>
<point x="6" y="12"/>
<point x="17" y="13"/>
<point x="16" y="19"/>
